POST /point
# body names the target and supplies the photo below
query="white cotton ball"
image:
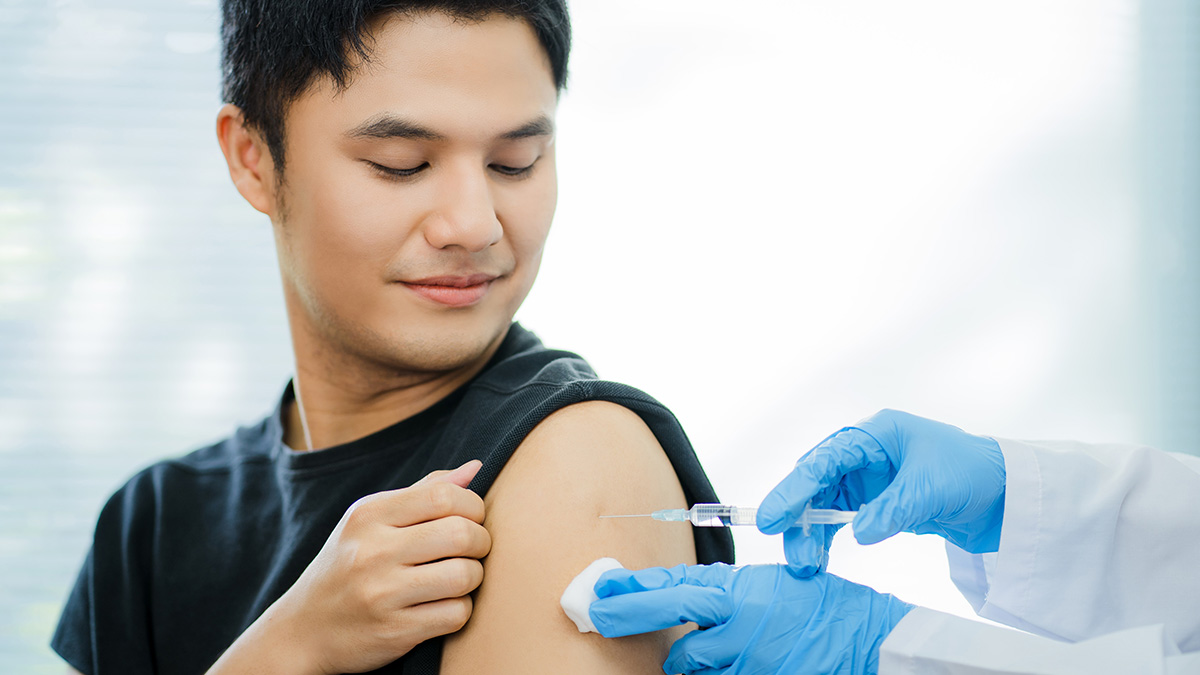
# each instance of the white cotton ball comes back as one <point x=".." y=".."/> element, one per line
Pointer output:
<point x="580" y="595"/>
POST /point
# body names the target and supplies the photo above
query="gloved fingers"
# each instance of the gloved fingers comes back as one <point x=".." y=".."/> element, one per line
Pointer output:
<point x="901" y="507"/>
<point x="705" y="671"/>
<point x="702" y="651"/>
<point x="808" y="554"/>
<point x="633" y="613"/>
<point x="888" y="427"/>
<point x="821" y="468"/>
<point x="619" y="581"/>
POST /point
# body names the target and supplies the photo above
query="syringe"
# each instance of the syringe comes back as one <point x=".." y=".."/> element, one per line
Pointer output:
<point x="724" y="515"/>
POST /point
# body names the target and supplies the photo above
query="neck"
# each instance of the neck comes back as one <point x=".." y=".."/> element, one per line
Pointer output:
<point x="338" y="414"/>
<point x="346" y="397"/>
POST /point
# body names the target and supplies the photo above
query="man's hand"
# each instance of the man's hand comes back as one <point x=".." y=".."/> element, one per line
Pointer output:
<point x="396" y="571"/>
<point x="902" y="473"/>
<point x="758" y="619"/>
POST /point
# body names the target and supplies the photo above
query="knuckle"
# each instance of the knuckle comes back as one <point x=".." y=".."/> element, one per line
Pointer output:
<point x="372" y="596"/>
<point x="463" y="576"/>
<point x="476" y="505"/>
<point x="370" y="557"/>
<point x="360" y="512"/>
<point x="456" y="534"/>
<point x="459" y="612"/>
<point x="890" y="415"/>
<point x="441" y="497"/>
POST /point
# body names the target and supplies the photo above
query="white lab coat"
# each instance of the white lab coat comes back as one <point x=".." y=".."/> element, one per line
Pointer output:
<point x="1099" y="560"/>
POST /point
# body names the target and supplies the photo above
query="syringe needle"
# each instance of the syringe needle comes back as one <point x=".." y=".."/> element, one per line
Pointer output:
<point x="634" y="515"/>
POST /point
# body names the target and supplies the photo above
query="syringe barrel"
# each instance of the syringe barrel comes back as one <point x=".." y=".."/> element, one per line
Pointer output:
<point x="743" y="515"/>
<point x="721" y="515"/>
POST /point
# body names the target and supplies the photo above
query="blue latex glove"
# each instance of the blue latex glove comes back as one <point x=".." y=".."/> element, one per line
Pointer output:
<point x="902" y="473"/>
<point x="759" y="618"/>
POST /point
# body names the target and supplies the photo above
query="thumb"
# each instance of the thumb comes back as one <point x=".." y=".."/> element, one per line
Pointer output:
<point x="895" y="510"/>
<point x="461" y="476"/>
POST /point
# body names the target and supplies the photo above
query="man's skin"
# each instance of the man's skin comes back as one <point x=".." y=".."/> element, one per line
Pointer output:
<point x="410" y="222"/>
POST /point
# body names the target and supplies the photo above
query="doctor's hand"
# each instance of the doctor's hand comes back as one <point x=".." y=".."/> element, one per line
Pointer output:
<point x="902" y="473"/>
<point x="759" y="619"/>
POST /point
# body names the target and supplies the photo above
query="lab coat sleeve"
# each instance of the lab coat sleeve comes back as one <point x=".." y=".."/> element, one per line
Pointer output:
<point x="1096" y="539"/>
<point x="927" y="642"/>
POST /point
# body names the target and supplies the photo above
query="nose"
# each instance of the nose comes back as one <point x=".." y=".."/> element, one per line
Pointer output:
<point x="464" y="214"/>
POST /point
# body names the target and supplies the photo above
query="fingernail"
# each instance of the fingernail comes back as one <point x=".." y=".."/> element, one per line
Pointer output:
<point x="468" y="466"/>
<point x="599" y="621"/>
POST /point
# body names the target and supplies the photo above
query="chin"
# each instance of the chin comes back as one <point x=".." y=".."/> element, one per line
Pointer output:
<point x="432" y="350"/>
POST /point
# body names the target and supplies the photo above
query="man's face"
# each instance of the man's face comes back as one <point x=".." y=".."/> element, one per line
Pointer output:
<point x="416" y="202"/>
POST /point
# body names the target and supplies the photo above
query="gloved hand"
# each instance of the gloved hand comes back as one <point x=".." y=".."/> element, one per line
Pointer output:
<point x="902" y="473"/>
<point x="759" y="618"/>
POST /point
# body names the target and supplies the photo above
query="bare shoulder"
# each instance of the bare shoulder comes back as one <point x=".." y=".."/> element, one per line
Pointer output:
<point x="543" y="512"/>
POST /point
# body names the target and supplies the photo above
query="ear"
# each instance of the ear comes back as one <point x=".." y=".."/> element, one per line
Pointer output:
<point x="249" y="160"/>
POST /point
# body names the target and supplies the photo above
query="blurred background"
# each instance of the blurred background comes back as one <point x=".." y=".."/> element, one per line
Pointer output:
<point x="777" y="217"/>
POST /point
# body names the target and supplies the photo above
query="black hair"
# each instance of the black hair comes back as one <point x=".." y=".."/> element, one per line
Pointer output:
<point x="273" y="50"/>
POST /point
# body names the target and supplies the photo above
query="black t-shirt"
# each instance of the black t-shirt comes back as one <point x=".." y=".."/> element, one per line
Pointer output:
<point x="192" y="550"/>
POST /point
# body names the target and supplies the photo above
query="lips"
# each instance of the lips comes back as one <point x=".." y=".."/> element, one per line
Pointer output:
<point x="452" y="291"/>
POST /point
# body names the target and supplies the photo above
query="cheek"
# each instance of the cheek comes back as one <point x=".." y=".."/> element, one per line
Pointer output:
<point x="530" y="217"/>
<point x="344" y="232"/>
<point x="351" y="212"/>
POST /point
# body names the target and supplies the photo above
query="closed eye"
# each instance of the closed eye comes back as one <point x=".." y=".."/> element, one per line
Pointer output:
<point x="396" y="174"/>
<point x="513" y="171"/>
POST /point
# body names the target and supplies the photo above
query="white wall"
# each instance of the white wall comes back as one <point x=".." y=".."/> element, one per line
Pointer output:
<point x="823" y="209"/>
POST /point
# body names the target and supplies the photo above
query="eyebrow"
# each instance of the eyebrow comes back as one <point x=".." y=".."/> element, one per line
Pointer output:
<point x="386" y="125"/>
<point x="539" y="126"/>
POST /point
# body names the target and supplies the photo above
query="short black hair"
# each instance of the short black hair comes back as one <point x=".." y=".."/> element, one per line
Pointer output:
<point x="273" y="50"/>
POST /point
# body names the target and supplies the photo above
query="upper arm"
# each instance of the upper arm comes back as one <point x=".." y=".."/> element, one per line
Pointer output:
<point x="583" y="461"/>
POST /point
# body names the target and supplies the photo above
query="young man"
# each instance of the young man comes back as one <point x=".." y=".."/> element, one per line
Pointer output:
<point x="404" y="153"/>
